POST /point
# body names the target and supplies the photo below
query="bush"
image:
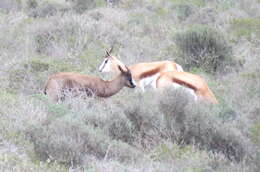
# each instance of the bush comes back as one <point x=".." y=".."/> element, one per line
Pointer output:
<point x="64" y="37"/>
<point x="247" y="27"/>
<point x="70" y="141"/>
<point x="29" y="76"/>
<point x="188" y="122"/>
<point x="123" y="152"/>
<point x="146" y="119"/>
<point x="203" y="47"/>
<point x="108" y="117"/>
<point x="184" y="11"/>
<point x="80" y="6"/>
<point x="67" y="142"/>
<point x="31" y="4"/>
<point x="42" y="10"/>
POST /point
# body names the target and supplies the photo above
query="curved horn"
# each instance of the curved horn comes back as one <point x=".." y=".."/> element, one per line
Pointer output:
<point x="110" y="51"/>
<point x="108" y="54"/>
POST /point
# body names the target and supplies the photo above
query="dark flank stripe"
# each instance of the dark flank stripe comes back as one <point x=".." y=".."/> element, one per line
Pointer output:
<point x="184" y="83"/>
<point x="149" y="73"/>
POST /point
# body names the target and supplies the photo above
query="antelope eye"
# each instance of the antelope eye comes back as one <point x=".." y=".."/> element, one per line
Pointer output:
<point x="106" y="61"/>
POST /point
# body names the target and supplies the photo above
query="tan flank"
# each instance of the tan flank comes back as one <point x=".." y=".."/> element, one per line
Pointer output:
<point x="189" y="80"/>
<point x="59" y="84"/>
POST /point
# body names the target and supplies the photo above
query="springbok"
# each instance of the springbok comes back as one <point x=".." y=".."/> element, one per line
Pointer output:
<point x="144" y="74"/>
<point x="194" y="84"/>
<point x="59" y="84"/>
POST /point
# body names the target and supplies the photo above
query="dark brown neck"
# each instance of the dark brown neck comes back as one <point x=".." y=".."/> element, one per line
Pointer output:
<point x="111" y="87"/>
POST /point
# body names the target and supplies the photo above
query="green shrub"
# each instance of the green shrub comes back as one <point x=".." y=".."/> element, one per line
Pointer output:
<point x="43" y="42"/>
<point x="247" y="27"/>
<point x="188" y="122"/>
<point x="255" y="132"/>
<point x="108" y="117"/>
<point x="67" y="142"/>
<point x="147" y="120"/>
<point x="123" y="152"/>
<point x="203" y="47"/>
<point x="16" y="79"/>
<point x="119" y="128"/>
<point x="199" y="3"/>
<point x="65" y="37"/>
<point x="44" y="10"/>
<point x="36" y="65"/>
<point x="81" y="6"/>
<point x="184" y="11"/>
<point x="30" y="76"/>
<point x="13" y="161"/>
<point x="70" y="141"/>
<point x="31" y="4"/>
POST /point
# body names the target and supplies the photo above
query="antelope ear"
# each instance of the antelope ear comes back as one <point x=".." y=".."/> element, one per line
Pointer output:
<point x="110" y="51"/>
<point x="107" y="54"/>
<point x="121" y="69"/>
<point x="128" y="70"/>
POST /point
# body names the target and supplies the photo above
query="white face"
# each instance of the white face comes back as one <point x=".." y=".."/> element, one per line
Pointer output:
<point x="105" y="67"/>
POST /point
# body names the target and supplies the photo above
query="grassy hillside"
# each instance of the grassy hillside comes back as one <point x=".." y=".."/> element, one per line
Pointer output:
<point x="131" y="131"/>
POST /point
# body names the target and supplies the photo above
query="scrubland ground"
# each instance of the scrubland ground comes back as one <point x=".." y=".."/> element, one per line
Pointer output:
<point x="131" y="131"/>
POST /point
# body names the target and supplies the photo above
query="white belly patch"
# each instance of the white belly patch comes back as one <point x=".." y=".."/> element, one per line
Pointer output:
<point x="186" y="90"/>
<point x="149" y="81"/>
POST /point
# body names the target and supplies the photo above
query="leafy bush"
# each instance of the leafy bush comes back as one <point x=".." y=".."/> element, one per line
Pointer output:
<point x="67" y="143"/>
<point x="255" y="132"/>
<point x="203" y="47"/>
<point x="43" y="42"/>
<point x="43" y="9"/>
<point x="184" y="11"/>
<point x="106" y="116"/>
<point x="81" y="6"/>
<point x="31" y="4"/>
<point x="29" y="77"/>
<point x="65" y="37"/>
<point x="198" y="160"/>
<point x="247" y="27"/>
<point x="148" y="123"/>
<point x="188" y="122"/>
<point x="193" y="2"/>
<point x="70" y="141"/>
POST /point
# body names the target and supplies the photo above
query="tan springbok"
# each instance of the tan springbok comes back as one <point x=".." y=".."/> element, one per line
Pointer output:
<point x="59" y="84"/>
<point x="194" y="84"/>
<point x="144" y="74"/>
